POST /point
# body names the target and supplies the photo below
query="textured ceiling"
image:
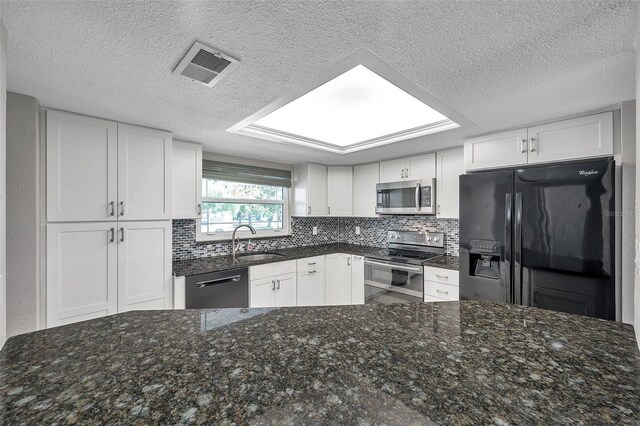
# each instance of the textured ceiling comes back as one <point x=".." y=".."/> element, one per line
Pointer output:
<point x="501" y="64"/>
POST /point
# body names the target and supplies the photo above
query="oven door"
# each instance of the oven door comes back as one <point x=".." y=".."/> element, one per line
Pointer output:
<point x="405" y="197"/>
<point x="388" y="282"/>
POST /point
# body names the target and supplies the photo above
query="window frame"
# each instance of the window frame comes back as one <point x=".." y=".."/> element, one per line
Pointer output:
<point x="244" y="232"/>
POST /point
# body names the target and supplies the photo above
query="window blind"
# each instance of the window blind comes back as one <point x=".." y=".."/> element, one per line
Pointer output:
<point x="245" y="174"/>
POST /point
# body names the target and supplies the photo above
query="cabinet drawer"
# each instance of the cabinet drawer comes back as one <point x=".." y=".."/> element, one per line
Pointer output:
<point x="428" y="298"/>
<point x="310" y="264"/>
<point x="272" y="269"/>
<point x="443" y="291"/>
<point x="441" y="275"/>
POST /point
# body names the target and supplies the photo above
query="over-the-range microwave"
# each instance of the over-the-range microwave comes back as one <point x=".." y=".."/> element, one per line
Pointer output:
<point x="406" y="197"/>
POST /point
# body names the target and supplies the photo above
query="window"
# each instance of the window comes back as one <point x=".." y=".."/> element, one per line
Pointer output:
<point x="233" y="195"/>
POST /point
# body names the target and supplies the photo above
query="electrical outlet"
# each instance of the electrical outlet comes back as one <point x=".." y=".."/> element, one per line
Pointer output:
<point x="357" y="230"/>
<point x="315" y="230"/>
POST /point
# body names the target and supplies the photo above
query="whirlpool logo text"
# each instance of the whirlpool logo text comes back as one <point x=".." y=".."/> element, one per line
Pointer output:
<point x="587" y="172"/>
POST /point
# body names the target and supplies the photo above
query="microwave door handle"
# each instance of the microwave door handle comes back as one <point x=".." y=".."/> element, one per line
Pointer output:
<point x="418" y="196"/>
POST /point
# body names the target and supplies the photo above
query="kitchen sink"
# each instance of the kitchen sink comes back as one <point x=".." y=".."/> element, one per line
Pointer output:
<point x="258" y="257"/>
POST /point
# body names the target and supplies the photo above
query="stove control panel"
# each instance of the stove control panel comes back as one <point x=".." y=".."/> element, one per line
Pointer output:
<point x="430" y="239"/>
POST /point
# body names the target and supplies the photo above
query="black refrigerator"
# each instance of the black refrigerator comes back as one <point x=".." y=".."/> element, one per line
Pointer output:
<point x="540" y="236"/>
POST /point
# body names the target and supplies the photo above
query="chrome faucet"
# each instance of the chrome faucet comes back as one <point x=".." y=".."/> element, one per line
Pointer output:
<point x="235" y="243"/>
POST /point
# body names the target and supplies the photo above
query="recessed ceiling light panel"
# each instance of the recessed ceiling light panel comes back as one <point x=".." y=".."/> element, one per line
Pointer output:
<point x="360" y="103"/>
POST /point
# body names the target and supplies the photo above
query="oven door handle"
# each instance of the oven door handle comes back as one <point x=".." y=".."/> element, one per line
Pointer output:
<point x="203" y="284"/>
<point x="394" y="266"/>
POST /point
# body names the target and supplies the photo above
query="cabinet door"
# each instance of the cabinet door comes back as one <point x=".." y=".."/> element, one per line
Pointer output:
<point x="357" y="280"/>
<point x="345" y="278"/>
<point x="340" y="191"/>
<point x="81" y="272"/>
<point x="144" y="173"/>
<point x="450" y="167"/>
<point x="316" y="190"/>
<point x="144" y="265"/>
<point x="311" y="289"/>
<point x="365" y="179"/>
<point x="392" y="171"/>
<point x="333" y="279"/>
<point x="421" y="167"/>
<point x="583" y="137"/>
<point x="498" y="150"/>
<point x="286" y="290"/>
<point x="81" y="168"/>
<point x="262" y="292"/>
<point x="187" y="180"/>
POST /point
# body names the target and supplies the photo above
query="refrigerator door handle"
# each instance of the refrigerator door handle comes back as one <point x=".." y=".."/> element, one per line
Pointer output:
<point x="506" y="273"/>
<point x="518" y="297"/>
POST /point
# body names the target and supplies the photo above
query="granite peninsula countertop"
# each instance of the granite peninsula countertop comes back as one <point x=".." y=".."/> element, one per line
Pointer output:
<point x="419" y="363"/>
<point x="206" y="265"/>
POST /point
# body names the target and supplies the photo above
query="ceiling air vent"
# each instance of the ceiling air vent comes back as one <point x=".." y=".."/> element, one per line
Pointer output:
<point x="205" y="64"/>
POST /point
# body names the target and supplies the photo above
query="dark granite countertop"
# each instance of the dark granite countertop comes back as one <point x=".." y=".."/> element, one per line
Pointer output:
<point x="206" y="265"/>
<point x="446" y="262"/>
<point x="420" y="363"/>
<point x="221" y="263"/>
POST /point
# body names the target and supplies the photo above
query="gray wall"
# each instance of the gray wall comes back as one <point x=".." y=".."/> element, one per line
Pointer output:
<point x="3" y="181"/>
<point x="23" y="214"/>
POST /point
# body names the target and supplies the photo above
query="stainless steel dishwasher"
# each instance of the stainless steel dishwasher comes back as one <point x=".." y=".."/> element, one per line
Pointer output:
<point x="225" y="289"/>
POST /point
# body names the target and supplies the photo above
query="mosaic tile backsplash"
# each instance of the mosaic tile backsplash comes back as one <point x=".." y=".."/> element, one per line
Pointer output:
<point x="373" y="232"/>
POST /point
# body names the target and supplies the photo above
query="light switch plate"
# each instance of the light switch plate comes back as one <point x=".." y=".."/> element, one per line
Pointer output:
<point x="315" y="230"/>
<point x="357" y="230"/>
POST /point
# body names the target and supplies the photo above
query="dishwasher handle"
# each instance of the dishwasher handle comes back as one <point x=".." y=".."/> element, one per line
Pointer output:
<point x="203" y="284"/>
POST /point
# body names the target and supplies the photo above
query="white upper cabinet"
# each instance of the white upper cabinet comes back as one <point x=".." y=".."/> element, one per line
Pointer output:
<point x="421" y="167"/>
<point x="340" y="191"/>
<point x="411" y="168"/>
<point x="577" y="138"/>
<point x="365" y="179"/>
<point x="187" y="180"/>
<point x="392" y="170"/>
<point x="144" y="173"/>
<point x="583" y="137"/>
<point x="82" y="168"/>
<point x="450" y="167"/>
<point x="144" y="265"/>
<point x="497" y="150"/>
<point x="309" y="190"/>
<point x="82" y="270"/>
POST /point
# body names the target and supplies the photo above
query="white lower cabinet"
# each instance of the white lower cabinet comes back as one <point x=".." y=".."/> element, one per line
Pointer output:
<point x="345" y="279"/>
<point x="82" y="272"/>
<point x="441" y="284"/>
<point x="273" y="285"/>
<point x="91" y="272"/>
<point x="311" y="281"/>
<point x="144" y="266"/>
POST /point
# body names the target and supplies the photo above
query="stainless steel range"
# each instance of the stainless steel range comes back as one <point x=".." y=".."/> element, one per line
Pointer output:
<point x="397" y="276"/>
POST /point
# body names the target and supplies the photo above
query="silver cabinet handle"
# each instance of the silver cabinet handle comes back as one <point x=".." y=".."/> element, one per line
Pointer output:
<point x="438" y="209"/>
<point x="441" y="292"/>
<point x="278" y="281"/>
<point x="313" y="272"/>
<point x="531" y="147"/>
<point x="406" y="173"/>
<point x="121" y="208"/>
<point x="311" y="263"/>
<point x="402" y="174"/>
<point x="309" y="210"/>
<point x="199" y="209"/>
<point x="273" y="285"/>
<point x="446" y="277"/>
<point x="349" y="261"/>
<point x="523" y="146"/>
<point x="328" y="209"/>
<point x="113" y="208"/>
<point x="417" y="196"/>
<point x="122" y="237"/>
<point x="113" y="235"/>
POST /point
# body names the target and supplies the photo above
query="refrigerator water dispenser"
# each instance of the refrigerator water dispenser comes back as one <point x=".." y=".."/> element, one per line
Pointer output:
<point x="485" y="258"/>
